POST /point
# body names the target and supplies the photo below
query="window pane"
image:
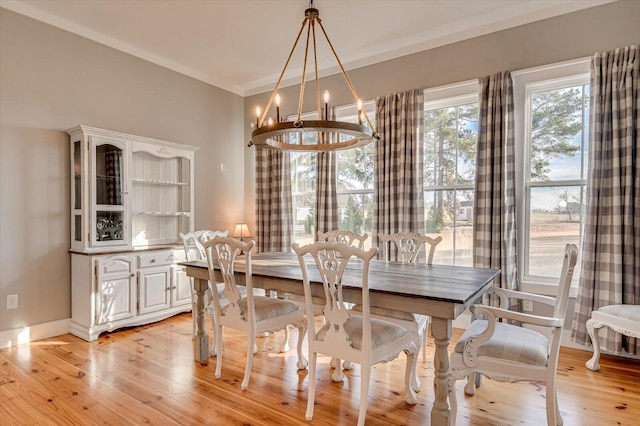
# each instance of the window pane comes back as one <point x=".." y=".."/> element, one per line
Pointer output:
<point x="356" y="214"/>
<point x="303" y="188"/>
<point x="451" y="135"/>
<point x="558" y="133"/>
<point x="355" y="168"/>
<point x="555" y="220"/>
<point x="449" y="214"/>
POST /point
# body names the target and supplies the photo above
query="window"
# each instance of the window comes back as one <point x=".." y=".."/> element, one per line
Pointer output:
<point x="355" y="179"/>
<point x="450" y="140"/>
<point x="553" y="104"/>
<point x="303" y="189"/>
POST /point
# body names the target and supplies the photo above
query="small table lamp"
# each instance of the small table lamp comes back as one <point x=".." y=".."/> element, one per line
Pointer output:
<point x="241" y="231"/>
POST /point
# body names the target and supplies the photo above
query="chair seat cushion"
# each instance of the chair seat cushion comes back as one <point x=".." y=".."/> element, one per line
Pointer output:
<point x="266" y="307"/>
<point x="630" y="312"/>
<point x="382" y="332"/>
<point x="509" y="342"/>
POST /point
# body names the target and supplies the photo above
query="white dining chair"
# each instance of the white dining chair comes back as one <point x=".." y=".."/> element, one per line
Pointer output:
<point x="248" y="313"/>
<point x="345" y="237"/>
<point x="406" y="247"/>
<point x="349" y="238"/>
<point x="194" y="251"/>
<point x="359" y="338"/>
<point x="507" y="352"/>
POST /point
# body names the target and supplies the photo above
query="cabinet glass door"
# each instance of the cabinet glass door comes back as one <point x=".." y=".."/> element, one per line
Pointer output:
<point x="109" y="193"/>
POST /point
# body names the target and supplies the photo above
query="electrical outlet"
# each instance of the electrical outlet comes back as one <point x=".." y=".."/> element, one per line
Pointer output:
<point x="12" y="301"/>
<point x="527" y="305"/>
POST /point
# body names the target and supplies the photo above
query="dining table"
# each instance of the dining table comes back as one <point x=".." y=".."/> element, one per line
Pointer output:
<point x="441" y="291"/>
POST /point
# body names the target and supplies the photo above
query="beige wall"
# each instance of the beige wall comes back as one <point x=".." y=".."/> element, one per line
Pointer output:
<point x="52" y="80"/>
<point x="570" y="36"/>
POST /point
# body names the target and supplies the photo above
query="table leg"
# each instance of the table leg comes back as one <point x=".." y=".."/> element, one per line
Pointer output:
<point x="201" y="342"/>
<point x="441" y="331"/>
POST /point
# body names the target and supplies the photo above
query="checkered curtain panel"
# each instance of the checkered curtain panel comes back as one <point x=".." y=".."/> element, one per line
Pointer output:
<point x="398" y="204"/>
<point x="326" y="187"/>
<point x="113" y="165"/>
<point x="610" y="272"/>
<point x="494" y="213"/>
<point x="274" y="207"/>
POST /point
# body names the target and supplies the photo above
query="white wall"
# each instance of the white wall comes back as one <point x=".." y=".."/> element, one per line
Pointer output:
<point x="52" y="80"/>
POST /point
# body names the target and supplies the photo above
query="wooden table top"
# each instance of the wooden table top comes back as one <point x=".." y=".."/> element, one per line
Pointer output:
<point x="444" y="283"/>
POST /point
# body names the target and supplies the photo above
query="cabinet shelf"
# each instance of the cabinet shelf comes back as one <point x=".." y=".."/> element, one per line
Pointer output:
<point x="158" y="213"/>
<point x="159" y="182"/>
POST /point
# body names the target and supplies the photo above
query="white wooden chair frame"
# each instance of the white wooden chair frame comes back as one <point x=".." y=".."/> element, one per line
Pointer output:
<point x="409" y="246"/>
<point x="606" y="317"/>
<point x="223" y="251"/>
<point x="470" y="359"/>
<point x="349" y="238"/>
<point x="194" y="251"/>
<point x="335" y="338"/>
<point x="345" y="237"/>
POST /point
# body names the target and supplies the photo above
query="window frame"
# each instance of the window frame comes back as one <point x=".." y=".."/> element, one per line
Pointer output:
<point x="525" y="83"/>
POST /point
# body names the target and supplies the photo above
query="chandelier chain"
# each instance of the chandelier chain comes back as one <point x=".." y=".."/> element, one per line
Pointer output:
<point x="344" y="72"/>
<point x="286" y="64"/>
<point x="304" y="71"/>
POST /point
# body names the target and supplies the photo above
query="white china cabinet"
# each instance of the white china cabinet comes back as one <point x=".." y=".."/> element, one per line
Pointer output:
<point x="131" y="197"/>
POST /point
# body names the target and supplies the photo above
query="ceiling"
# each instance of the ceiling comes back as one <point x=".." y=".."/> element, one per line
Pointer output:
<point x="242" y="45"/>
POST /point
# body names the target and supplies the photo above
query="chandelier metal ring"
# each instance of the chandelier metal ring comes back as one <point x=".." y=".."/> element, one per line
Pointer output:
<point x="332" y="135"/>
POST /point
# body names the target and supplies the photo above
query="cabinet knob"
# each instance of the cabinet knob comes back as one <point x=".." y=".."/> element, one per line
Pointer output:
<point x="133" y="275"/>
<point x="153" y="261"/>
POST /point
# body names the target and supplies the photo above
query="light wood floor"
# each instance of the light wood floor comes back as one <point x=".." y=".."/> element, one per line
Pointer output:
<point x="146" y="375"/>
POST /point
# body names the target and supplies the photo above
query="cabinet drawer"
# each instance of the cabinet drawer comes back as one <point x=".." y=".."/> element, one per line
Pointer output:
<point x="159" y="258"/>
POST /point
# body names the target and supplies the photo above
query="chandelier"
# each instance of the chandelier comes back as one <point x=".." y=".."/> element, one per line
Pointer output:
<point x="332" y="135"/>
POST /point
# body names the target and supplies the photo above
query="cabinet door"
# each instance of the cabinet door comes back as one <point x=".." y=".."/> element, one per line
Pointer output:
<point x="115" y="295"/>
<point x="155" y="289"/>
<point x="181" y="293"/>
<point x="109" y="160"/>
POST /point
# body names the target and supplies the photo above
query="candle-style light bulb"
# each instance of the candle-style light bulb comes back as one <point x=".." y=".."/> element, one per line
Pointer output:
<point x="360" y="112"/>
<point x="326" y="104"/>
<point x="277" y="108"/>
<point x="270" y="121"/>
<point x="257" y="117"/>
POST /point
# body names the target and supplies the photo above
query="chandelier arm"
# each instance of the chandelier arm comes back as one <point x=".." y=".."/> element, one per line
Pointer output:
<point x="286" y="64"/>
<point x="344" y="73"/>
<point x="315" y="63"/>
<point x="304" y="71"/>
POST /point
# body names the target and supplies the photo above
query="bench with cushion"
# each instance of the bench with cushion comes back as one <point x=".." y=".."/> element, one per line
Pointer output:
<point x="624" y="319"/>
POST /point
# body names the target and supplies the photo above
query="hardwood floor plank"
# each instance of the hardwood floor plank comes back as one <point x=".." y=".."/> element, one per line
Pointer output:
<point x="147" y="375"/>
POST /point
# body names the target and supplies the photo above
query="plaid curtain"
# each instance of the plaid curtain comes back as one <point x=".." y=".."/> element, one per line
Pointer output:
<point x="494" y="212"/>
<point x="274" y="207"/>
<point x="326" y="217"/>
<point x="610" y="271"/>
<point x="113" y="165"/>
<point x="398" y="203"/>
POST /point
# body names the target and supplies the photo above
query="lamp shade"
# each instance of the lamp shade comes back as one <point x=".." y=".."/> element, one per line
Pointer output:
<point x="240" y="231"/>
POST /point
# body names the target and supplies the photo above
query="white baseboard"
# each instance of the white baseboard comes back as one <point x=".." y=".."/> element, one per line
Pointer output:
<point x="19" y="336"/>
